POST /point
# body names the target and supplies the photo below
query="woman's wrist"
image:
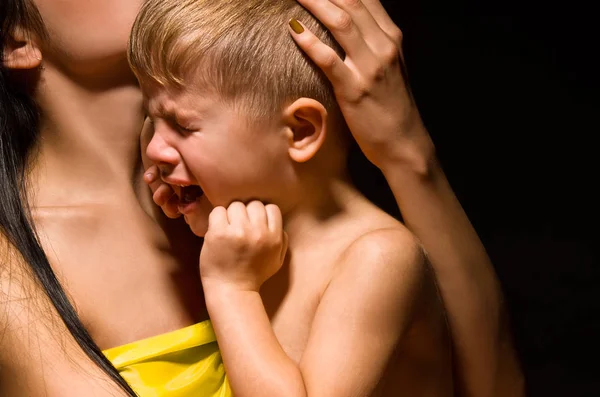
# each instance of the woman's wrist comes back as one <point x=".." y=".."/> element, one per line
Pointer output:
<point x="414" y="154"/>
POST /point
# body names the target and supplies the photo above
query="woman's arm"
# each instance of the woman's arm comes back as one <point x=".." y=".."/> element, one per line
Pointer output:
<point x="487" y="361"/>
<point x="375" y="99"/>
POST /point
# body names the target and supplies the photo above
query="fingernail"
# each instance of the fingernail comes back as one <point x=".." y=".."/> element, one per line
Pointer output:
<point x="296" y="27"/>
<point x="149" y="177"/>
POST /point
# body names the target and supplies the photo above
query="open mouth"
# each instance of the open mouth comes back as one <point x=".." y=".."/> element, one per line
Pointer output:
<point x="190" y="194"/>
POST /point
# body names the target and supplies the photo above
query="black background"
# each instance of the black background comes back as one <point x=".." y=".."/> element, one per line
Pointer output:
<point x="510" y="96"/>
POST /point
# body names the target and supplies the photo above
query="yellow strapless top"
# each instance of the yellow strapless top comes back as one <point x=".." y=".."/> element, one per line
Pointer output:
<point x="182" y="363"/>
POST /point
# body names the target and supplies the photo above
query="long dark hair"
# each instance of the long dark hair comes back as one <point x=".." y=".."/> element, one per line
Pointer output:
<point x="19" y="125"/>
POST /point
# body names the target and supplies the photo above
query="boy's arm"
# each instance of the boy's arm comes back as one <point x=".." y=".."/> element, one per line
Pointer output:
<point x="362" y="316"/>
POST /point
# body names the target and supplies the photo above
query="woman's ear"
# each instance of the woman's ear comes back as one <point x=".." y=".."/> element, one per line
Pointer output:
<point x="306" y="122"/>
<point x="21" y="51"/>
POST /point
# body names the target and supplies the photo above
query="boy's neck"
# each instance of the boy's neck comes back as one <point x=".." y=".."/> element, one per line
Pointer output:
<point x="322" y="204"/>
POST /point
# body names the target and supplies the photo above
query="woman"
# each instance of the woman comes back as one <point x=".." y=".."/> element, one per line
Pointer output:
<point x="107" y="269"/>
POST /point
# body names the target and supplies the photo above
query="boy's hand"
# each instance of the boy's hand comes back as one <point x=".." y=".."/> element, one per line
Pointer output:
<point x="162" y="193"/>
<point x="244" y="246"/>
<point x="370" y="84"/>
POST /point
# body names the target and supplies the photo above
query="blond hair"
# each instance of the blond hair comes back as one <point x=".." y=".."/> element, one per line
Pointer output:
<point x="239" y="48"/>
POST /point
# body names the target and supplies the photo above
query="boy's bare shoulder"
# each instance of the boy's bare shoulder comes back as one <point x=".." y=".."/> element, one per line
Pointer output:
<point x="389" y="255"/>
<point x="385" y="240"/>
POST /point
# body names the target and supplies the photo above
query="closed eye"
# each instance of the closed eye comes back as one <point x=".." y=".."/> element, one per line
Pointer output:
<point x="184" y="129"/>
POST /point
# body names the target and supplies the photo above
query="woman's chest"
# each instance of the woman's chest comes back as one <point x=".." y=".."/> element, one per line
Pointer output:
<point x="126" y="278"/>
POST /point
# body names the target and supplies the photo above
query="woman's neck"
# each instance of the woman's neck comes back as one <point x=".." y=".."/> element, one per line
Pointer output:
<point x="89" y="139"/>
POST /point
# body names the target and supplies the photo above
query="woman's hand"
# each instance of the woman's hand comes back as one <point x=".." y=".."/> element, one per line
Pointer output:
<point x="370" y="84"/>
<point x="244" y="246"/>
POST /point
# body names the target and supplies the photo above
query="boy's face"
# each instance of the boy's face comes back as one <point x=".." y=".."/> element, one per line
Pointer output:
<point x="202" y="141"/>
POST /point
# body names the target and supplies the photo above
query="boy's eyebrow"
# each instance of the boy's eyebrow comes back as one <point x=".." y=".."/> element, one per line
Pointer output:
<point x="158" y="111"/>
<point x="170" y="113"/>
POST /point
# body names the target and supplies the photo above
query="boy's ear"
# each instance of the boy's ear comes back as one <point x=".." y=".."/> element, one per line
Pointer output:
<point x="21" y="51"/>
<point x="306" y="122"/>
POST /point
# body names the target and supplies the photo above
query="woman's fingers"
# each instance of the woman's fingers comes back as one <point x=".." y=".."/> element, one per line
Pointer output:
<point x="342" y="26"/>
<point x="384" y="21"/>
<point x="385" y="49"/>
<point x="371" y="55"/>
<point x="373" y="34"/>
<point x="322" y="55"/>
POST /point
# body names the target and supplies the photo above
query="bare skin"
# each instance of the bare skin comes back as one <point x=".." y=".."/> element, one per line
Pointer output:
<point x="108" y="230"/>
<point x="371" y="81"/>
<point x="354" y="311"/>
<point x="95" y="216"/>
<point x="102" y="117"/>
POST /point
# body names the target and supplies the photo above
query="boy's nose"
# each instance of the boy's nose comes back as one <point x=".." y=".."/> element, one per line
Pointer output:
<point x="161" y="153"/>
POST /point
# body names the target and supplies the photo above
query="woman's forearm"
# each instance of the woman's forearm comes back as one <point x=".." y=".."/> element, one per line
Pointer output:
<point x="467" y="281"/>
